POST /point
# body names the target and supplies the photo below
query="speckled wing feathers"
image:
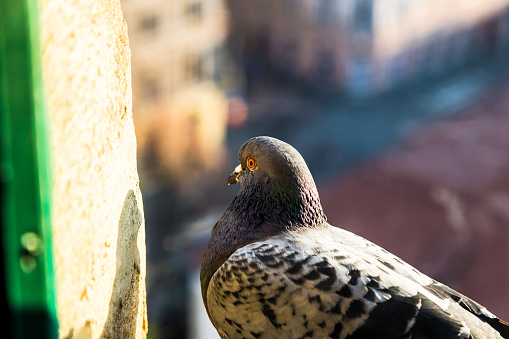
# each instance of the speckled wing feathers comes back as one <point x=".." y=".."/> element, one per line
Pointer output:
<point x="328" y="284"/>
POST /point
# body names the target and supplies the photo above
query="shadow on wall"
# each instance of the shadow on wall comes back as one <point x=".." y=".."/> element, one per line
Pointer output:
<point x="123" y="309"/>
<point x="123" y="306"/>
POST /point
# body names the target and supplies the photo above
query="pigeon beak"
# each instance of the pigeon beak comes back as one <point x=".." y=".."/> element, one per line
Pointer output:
<point x="234" y="177"/>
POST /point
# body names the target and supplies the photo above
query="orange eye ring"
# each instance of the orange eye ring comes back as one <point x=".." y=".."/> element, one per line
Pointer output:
<point x="251" y="163"/>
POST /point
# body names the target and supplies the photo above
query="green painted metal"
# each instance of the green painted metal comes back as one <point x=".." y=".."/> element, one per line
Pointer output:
<point x="25" y="175"/>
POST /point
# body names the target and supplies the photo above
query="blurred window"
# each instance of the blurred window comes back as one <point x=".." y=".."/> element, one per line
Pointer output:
<point x="217" y="59"/>
<point x="327" y="11"/>
<point x="200" y="67"/>
<point x="149" y="24"/>
<point x="424" y="59"/>
<point x="363" y="16"/>
<point x="461" y="46"/>
<point x="359" y="70"/>
<point x="194" y="68"/>
<point x="395" y="70"/>
<point x="194" y="9"/>
<point x="150" y="89"/>
<point x="325" y="66"/>
<point x="290" y="5"/>
<point x="289" y="57"/>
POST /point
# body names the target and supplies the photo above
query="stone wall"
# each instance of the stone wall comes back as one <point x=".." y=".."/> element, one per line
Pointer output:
<point x="98" y="221"/>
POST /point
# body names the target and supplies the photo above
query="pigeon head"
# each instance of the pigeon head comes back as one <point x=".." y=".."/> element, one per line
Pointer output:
<point x="275" y="178"/>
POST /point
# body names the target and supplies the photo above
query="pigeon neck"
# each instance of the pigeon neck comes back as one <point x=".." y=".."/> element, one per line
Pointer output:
<point x="289" y="204"/>
<point x="257" y="213"/>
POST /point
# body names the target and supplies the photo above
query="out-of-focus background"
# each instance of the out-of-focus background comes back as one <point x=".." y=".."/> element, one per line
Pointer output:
<point x="400" y="108"/>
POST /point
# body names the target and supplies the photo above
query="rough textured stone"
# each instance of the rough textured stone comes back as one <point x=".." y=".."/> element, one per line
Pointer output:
<point x="98" y="223"/>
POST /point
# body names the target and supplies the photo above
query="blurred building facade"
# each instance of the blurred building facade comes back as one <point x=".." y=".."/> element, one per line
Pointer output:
<point x="365" y="46"/>
<point x="179" y="109"/>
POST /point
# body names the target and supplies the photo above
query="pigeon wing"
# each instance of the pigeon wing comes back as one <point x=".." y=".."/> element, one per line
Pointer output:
<point x="294" y="286"/>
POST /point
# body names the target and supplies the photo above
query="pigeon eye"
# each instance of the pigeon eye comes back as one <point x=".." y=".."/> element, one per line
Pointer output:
<point x="251" y="164"/>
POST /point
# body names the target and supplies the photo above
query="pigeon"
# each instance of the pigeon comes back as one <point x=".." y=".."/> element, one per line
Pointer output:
<point x="274" y="268"/>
